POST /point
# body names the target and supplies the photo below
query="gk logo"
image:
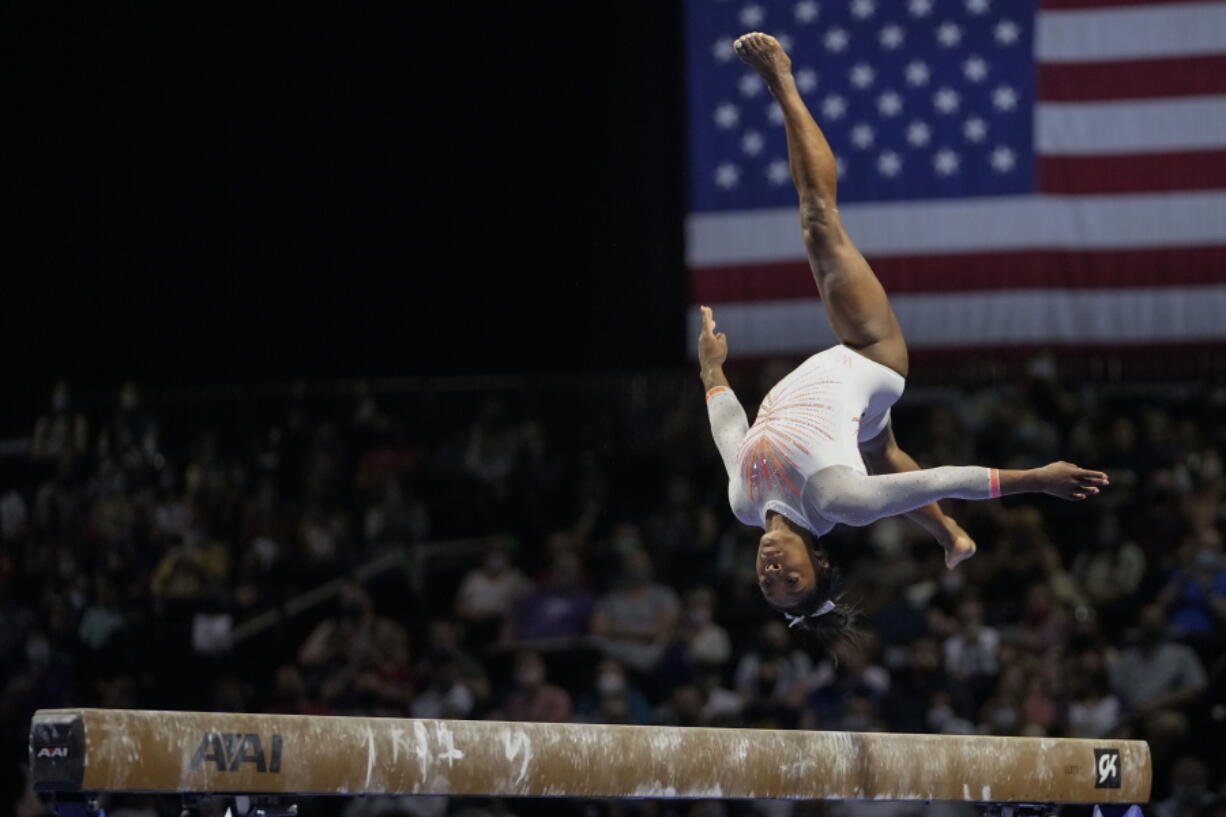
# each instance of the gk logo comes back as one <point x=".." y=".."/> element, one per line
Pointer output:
<point x="1107" y="768"/>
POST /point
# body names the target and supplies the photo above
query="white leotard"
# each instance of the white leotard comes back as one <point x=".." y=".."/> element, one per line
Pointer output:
<point x="802" y="458"/>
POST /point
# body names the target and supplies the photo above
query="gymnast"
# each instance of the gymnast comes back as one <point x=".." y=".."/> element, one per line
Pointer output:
<point x="803" y="466"/>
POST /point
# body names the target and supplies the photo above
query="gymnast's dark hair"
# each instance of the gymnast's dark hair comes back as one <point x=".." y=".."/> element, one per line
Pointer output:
<point x="822" y="613"/>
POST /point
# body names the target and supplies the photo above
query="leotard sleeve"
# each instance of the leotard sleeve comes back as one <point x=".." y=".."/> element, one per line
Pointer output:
<point x="728" y="425"/>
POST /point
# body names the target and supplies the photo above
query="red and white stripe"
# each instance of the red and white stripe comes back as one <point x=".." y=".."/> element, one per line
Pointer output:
<point x="1124" y="243"/>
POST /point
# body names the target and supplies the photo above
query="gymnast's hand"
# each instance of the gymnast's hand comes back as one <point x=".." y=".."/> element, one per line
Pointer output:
<point x="712" y="347"/>
<point x="1068" y="481"/>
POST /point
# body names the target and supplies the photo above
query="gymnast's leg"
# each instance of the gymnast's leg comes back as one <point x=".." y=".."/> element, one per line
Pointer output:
<point x="855" y="301"/>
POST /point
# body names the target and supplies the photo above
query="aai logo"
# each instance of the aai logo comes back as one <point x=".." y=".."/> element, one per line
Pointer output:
<point x="228" y="751"/>
<point x="1107" y="768"/>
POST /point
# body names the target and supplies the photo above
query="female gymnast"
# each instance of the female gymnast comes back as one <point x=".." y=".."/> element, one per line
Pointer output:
<point x="803" y="466"/>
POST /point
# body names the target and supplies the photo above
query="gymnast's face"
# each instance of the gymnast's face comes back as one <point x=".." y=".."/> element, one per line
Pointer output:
<point x="787" y="567"/>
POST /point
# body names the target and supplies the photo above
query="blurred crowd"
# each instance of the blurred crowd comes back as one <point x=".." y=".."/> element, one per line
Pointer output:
<point x="141" y="534"/>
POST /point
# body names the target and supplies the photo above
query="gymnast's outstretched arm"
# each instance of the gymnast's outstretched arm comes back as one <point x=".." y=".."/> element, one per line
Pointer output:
<point x="728" y="421"/>
<point x="841" y="495"/>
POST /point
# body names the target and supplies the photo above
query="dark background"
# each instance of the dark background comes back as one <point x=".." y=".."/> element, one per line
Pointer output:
<point x="212" y="194"/>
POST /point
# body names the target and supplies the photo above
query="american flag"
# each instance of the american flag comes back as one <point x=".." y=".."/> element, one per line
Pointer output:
<point x="1017" y="172"/>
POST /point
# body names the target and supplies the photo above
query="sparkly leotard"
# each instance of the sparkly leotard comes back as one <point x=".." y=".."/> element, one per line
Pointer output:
<point x="801" y="458"/>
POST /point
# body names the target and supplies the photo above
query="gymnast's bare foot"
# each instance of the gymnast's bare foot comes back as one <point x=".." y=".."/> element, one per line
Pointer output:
<point x="764" y="54"/>
<point x="959" y="546"/>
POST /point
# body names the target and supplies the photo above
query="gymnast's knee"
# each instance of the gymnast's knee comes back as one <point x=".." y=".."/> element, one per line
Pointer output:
<point x="820" y="224"/>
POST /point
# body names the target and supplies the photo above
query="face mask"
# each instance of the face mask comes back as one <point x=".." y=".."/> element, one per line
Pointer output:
<point x="939" y="715"/>
<point x="1004" y="718"/>
<point x="38" y="651"/>
<point x="610" y="683"/>
<point x="1206" y="559"/>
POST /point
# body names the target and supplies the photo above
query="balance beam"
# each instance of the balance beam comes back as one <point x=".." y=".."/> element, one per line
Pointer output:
<point x="102" y="750"/>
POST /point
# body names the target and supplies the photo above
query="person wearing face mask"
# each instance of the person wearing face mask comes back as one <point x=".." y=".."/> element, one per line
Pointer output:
<point x="45" y="681"/>
<point x="487" y="595"/>
<point x="555" y="615"/>
<point x="1158" y="679"/>
<point x="1189" y="790"/>
<point x="335" y="649"/>
<point x="60" y="432"/>
<point x="919" y="687"/>
<point x="1110" y="572"/>
<point x="613" y="695"/>
<point x="636" y="621"/>
<point x="533" y="697"/>
<point x="706" y="642"/>
<point x="773" y="678"/>
<point x="1196" y="593"/>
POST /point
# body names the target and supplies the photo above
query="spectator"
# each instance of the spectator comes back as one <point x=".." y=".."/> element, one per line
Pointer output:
<point x="59" y="433"/>
<point x="534" y="698"/>
<point x="685" y="707"/>
<point x="1094" y="710"/>
<point x="488" y="594"/>
<point x="847" y="689"/>
<point x="920" y="698"/>
<point x="102" y="620"/>
<point x="706" y="643"/>
<point x="613" y="696"/>
<point x="346" y="645"/>
<point x="497" y="444"/>
<point x="1190" y="792"/>
<point x="1046" y="623"/>
<point x="382" y="678"/>
<point x="15" y="621"/>
<point x="396" y="518"/>
<point x="773" y="679"/>
<point x="194" y="568"/>
<point x="291" y="695"/>
<point x="443" y="651"/>
<point x="1109" y="572"/>
<point x="972" y="651"/>
<point x="558" y="613"/>
<point x="1195" y="596"/>
<point x="445" y="696"/>
<point x="635" y="622"/>
<point x="1157" y="679"/>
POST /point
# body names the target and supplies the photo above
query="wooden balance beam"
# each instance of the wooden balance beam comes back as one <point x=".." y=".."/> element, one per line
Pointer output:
<point x="74" y="751"/>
